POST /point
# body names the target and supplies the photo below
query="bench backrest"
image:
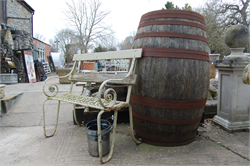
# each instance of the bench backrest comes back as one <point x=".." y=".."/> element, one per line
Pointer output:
<point x="100" y="77"/>
<point x="135" y="53"/>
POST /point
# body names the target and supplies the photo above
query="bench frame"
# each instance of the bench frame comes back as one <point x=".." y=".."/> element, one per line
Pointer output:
<point x="103" y="105"/>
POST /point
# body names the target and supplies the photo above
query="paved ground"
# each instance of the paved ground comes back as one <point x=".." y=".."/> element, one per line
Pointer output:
<point x="22" y="141"/>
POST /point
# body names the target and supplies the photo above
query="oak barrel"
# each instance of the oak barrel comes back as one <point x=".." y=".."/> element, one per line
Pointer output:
<point x="173" y="77"/>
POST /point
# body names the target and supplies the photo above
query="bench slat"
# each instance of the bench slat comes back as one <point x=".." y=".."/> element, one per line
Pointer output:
<point x="109" y="55"/>
<point x="99" y="78"/>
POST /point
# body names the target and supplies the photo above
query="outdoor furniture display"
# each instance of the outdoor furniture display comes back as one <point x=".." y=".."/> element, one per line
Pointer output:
<point x="46" y="67"/>
<point x="121" y="91"/>
<point x="106" y="104"/>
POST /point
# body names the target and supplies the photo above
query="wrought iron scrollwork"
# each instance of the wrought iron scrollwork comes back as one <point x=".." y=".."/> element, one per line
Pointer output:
<point x="53" y="90"/>
<point x="110" y="96"/>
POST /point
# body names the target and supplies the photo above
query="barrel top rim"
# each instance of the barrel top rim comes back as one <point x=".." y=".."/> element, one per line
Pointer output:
<point x="173" y="11"/>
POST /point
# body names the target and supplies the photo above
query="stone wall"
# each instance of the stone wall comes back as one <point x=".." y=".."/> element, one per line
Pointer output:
<point x="22" y="39"/>
<point x="22" y="75"/>
<point x="20" y="24"/>
<point x="15" y="9"/>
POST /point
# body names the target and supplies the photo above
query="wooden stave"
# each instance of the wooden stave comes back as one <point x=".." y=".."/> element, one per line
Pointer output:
<point x="140" y="43"/>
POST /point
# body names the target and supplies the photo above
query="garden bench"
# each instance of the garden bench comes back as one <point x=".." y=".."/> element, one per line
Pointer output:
<point x="108" y="103"/>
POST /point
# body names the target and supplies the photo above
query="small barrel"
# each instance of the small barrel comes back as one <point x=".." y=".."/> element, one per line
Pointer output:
<point x="173" y="77"/>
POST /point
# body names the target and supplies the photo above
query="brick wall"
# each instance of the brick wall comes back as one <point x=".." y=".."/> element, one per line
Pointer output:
<point x="45" y="46"/>
<point x="89" y="65"/>
<point x="47" y="52"/>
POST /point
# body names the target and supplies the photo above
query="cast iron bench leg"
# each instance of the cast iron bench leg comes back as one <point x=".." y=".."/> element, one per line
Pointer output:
<point x="132" y="126"/>
<point x="100" y="136"/>
<point x="57" y="115"/>
<point x="74" y="110"/>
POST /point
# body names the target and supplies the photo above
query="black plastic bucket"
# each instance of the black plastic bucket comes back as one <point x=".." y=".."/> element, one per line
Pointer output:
<point x="92" y="135"/>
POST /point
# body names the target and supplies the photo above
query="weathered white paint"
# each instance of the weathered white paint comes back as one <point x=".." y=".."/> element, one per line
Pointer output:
<point x="134" y="53"/>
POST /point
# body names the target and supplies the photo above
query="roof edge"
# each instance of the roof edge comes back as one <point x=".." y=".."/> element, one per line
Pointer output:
<point x="27" y="6"/>
<point x="41" y="41"/>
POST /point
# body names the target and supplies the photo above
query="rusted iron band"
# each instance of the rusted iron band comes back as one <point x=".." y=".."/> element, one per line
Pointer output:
<point x="175" y="53"/>
<point x="163" y="121"/>
<point x="173" y="14"/>
<point x="164" y="141"/>
<point x="170" y="34"/>
<point x="170" y="22"/>
<point x="169" y="104"/>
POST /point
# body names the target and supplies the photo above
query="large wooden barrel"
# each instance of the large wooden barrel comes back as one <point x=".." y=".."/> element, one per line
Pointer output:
<point x="173" y="77"/>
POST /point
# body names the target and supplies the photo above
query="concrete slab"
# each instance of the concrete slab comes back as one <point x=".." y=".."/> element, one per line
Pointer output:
<point x="237" y="141"/>
<point x="27" y="146"/>
<point x="22" y="141"/>
<point x="8" y="102"/>
<point x="30" y="114"/>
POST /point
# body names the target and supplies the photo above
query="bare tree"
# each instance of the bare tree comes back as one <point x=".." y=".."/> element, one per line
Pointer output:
<point x="65" y="37"/>
<point x="88" y="20"/>
<point x="39" y="37"/>
<point x="68" y="42"/>
<point x="219" y="15"/>
<point x="110" y="42"/>
<point x="215" y="32"/>
<point x="52" y="44"/>
<point x="128" y="42"/>
<point x="235" y="12"/>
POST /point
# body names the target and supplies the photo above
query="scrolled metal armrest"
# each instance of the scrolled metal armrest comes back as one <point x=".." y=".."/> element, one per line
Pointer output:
<point x="53" y="88"/>
<point x="109" y="99"/>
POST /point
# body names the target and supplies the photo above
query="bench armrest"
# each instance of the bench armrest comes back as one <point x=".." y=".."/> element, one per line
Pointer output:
<point x="53" y="88"/>
<point x="111" y="98"/>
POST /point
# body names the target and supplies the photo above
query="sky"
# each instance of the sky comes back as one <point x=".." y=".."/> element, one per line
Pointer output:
<point x="124" y="17"/>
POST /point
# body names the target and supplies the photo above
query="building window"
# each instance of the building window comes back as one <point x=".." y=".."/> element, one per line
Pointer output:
<point x="41" y="48"/>
<point x="41" y="54"/>
<point x="35" y="56"/>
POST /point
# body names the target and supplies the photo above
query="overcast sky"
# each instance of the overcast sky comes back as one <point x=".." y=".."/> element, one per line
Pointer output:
<point x="124" y="18"/>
